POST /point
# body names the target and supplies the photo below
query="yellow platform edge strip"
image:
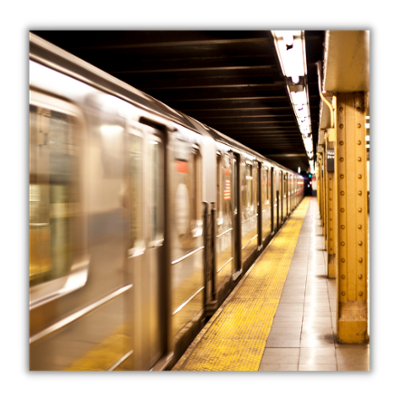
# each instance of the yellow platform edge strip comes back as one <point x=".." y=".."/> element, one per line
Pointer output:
<point x="234" y="339"/>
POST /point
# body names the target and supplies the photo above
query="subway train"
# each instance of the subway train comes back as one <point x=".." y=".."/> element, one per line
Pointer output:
<point x="141" y="219"/>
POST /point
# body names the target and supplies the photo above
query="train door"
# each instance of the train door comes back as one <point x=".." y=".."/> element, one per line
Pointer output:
<point x="147" y="209"/>
<point x="286" y="195"/>
<point x="266" y="227"/>
<point x="260" y="203"/>
<point x="277" y="198"/>
<point x="225" y="230"/>
<point x="236" y="215"/>
<point x="273" y="201"/>
<point x="282" y="195"/>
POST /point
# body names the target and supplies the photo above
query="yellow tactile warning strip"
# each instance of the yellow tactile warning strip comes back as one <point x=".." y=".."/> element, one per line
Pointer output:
<point x="235" y="337"/>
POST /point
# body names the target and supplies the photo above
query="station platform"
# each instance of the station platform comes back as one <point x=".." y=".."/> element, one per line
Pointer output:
<point x="282" y="314"/>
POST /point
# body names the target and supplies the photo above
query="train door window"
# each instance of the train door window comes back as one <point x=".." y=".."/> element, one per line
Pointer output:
<point x="188" y="197"/>
<point x="56" y="220"/>
<point x="135" y="159"/>
<point x="219" y="189"/>
<point x="195" y="192"/>
<point x="255" y="188"/>
<point x="267" y="187"/>
<point x="263" y="186"/>
<point x="234" y="185"/>
<point x="226" y="199"/>
<point x="156" y="188"/>
<point x="249" y="185"/>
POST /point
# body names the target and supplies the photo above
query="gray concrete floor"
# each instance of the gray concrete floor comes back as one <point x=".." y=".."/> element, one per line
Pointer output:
<point x="303" y="333"/>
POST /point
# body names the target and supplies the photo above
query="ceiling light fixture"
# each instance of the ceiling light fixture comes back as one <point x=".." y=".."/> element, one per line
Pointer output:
<point x="290" y="47"/>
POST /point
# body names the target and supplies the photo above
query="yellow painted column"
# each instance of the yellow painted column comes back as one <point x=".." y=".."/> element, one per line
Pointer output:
<point x="325" y="197"/>
<point x="322" y="193"/>
<point x="318" y="172"/>
<point x="352" y="218"/>
<point x="330" y="143"/>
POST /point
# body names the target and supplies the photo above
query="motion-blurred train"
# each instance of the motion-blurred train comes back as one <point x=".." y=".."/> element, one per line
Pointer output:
<point x="141" y="219"/>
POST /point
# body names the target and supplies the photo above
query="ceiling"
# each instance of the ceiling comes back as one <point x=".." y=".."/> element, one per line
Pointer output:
<point x="228" y="80"/>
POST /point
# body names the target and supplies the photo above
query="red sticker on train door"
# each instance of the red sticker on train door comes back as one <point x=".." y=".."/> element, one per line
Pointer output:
<point x="182" y="166"/>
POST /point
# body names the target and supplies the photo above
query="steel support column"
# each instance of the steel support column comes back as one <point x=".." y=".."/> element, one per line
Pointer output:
<point x="327" y="210"/>
<point x="319" y="182"/>
<point x="352" y="218"/>
<point x="323" y="194"/>
<point x="330" y="143"/>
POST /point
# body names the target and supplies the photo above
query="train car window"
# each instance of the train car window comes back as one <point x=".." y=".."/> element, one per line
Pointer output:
<point x="156" y="188"/>
<point x="267" y="185"/>
<point x="135" y="150"/>
<point x="249" y="185"/>
<point x="55" y="208"/>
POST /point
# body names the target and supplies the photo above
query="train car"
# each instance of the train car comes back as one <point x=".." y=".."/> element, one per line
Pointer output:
<point x="141" y="221"/>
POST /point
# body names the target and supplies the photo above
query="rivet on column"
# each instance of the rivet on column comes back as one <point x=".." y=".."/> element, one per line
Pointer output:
<point x="360" y="293"/>
<point x="343" y="276"/>
<point x="360" y="260"/>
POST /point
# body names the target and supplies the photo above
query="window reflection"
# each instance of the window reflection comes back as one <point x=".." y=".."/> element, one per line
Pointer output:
<point x="156" y="157"/>
<point x="54" y="202"/>
<point x="135" y="178"/>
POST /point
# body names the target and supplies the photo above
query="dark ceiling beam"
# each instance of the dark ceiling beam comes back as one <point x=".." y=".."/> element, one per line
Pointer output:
<point x="244" y="103"/>
<point x="184" y="66"/>
<point x="210" y="114"/>
<point x="93" y="38"/>
<point x="132" y="64"/>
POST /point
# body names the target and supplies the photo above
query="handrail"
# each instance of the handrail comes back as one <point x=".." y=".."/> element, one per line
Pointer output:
<point x="80" y="313"/>
<point x="230" y="259"/>
<point x="187" y="301"/>
<point x="187" y="255"/>
<point x="248" y="219"/>
<point x="223" y="233"/>
<point x="249" y="242"/>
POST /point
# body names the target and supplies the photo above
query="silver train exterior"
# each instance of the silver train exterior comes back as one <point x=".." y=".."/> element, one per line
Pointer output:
<point x="142" y="219"/>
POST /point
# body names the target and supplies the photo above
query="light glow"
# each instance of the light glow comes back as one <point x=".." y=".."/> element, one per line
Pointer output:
<point x="290" y="47"/>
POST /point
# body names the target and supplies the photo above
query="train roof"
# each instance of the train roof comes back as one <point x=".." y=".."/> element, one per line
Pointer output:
<point x="56" y="58"/>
